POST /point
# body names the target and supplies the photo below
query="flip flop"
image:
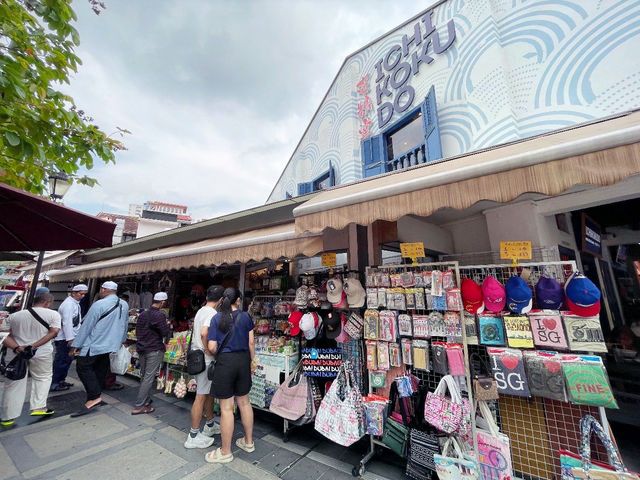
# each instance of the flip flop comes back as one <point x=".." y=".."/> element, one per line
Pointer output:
<point x="42" y="413"/>
<point x="85" y="410"/>
<point x="145" y="409"/>
<point x="59" y="388"/>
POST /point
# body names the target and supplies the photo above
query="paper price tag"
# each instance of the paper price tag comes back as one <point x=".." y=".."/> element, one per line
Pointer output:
<point x="516" y="250"/>
<point x="329" y="259"/>
<point x="412" y="250"/>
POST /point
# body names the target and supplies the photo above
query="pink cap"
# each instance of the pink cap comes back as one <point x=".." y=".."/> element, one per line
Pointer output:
<point x="495" y="296"/>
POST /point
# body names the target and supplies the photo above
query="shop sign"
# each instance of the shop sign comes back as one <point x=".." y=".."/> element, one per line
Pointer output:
<point x="402" y="62"/>
<point x="516" y="250"/>
<point x="329" y="259"/>
<point x="591" y="236"/>
<point x="414" y="251"/>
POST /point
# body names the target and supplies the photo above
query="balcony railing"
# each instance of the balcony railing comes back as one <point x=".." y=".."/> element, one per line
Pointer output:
<point x="410" y="158"/>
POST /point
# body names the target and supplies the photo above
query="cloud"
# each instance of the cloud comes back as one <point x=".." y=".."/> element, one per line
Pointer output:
<point x="216" y="94"/>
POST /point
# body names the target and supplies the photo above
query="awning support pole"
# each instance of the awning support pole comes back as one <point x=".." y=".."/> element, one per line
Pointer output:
<point x="36" y="278"/>
<point x="242" y="281"/>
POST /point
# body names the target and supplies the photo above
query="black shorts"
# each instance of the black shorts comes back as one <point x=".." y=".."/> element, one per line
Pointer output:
<point x="232" y="376"/>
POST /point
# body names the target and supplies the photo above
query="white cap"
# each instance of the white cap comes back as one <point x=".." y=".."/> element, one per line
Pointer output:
<point x="334" y="290"/>
<point x="110" y="285"/>
<point x="160" y="296"/>
<point x="309" y="325"/>
<point x="355" y="292"/>
<point x="81" y="287"/>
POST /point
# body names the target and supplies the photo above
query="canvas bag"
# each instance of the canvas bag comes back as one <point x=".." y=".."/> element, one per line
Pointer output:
<point x="290" y="399"/>
<point x="494" y="448"/>
<point x="314" y="397"/>
<point x="446" y="412"/>
<point x="456" y="465"/>
<point x="340" y="417"/>
<point x="588" y="383"/>
<point x="423" y="446"/>
<point x="574" y="470"/>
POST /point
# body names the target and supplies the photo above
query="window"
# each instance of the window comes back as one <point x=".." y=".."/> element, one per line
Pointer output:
<point x="322" y="182"/>
<point x="406" y="137"/>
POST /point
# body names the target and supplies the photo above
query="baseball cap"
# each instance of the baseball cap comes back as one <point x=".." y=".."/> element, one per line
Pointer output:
<point x="294" y="323"/>
<point x="110" y="285"/>
<point x="519" y="295"/>
<point x="355" y="292"/>
<point x="81" y="287"/>
<point x="334" y="290"/>
<point x="471" y="296"/>
<point x="309" y="325"/>
<point x="494" y="295"/>
<point x="41" y="291"/>
<point x="160" y="296"/>
<point x="549" y="294"/>
<point x="332" y="325"/>
<point x="342" y="301"/>
<point x="583" y="297"/>
<point x="302" y="296"/>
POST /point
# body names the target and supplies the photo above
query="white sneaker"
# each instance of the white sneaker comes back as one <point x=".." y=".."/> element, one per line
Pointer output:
<point x="211" y="431"/>
<point x="200" y="441"/>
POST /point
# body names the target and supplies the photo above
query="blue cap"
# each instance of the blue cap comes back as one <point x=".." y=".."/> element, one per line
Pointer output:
<point x="583" y="297"/>
<point x="549" y="294"/>
<point x="519" y="295"/>
<point x="41" y="291"/>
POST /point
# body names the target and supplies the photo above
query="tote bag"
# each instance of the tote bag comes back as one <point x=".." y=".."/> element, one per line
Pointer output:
<point x="340" y="417"/>
<point x="290" y="399"/>
<point x="456" y="465"/>
<point x="446" y="413"/>
<point x="494" y="449"/>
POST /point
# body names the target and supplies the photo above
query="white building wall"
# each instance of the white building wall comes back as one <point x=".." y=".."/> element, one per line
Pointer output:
<point x="414" y="229"/>
<point x="469" y="235"/>
<point x="147" y="226"/>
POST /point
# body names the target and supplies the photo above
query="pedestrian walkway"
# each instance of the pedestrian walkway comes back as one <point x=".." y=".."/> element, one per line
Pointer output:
<point x="113" y="444"/>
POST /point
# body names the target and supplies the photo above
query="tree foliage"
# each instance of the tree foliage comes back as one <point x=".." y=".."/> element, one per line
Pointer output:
<point x="41" y="129"/>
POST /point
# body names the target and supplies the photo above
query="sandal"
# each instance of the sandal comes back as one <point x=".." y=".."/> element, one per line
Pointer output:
<point x="143" y="409"/>
<point x="243" y="445"/>
<point x="42" y="412"/>
<point x="216" y="456"/>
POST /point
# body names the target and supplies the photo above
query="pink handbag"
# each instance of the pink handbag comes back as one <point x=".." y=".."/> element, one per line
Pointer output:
<point x="447" y="413"/>
<point x="290" y="400"/>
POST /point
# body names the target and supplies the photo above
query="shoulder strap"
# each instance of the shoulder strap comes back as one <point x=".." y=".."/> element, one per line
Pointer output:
<point x="108" y="312"/>
<point x="38" y="318"/>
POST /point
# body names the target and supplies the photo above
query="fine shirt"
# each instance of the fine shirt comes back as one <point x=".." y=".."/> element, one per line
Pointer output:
<point x="151" y="329"/>
<point x="71" y="315"/>
<point x="203" y="319"/>
<point x="97" y="336"/>
<point x="239" y="340"/>
<point x="26" y="330"/>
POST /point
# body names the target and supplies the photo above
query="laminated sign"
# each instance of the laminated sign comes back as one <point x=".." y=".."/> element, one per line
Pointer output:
<point x="321" y="362"/>
<point x="547" y="330"/>
<point x="518" y="331"/>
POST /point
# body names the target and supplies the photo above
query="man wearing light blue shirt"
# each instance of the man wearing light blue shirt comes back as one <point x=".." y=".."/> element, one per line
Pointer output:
<point x="103" y="330"/>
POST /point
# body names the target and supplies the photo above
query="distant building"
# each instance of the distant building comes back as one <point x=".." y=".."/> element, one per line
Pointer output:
<point x="135" y="210"/>
<point x="126" y="226"/>
<point x="168" y="212"/>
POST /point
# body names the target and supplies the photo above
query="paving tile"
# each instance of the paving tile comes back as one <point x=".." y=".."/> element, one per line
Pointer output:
<point x="250" y="470"/>
<point x="226" y="473"/>
<point x="333" y="474"/>
<point x="333" y="462"/>
<point x="278" y="460"/>
<point x="305" y="468"/>
<point x="386" y="469"/>
<point x="263" y="448"/>
<point x="7" y="468"/>
<point x="291" y="446"/>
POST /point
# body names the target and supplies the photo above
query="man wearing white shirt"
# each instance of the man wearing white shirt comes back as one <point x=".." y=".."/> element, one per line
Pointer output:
<point x="71" y="315"/>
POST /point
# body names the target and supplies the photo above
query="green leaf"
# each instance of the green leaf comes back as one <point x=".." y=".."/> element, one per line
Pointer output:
<point x="12" y="138"/>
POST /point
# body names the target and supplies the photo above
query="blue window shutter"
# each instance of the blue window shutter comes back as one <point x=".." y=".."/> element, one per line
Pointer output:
<point x="304" y="188"/>
<point x="431" y="127"/>
<point x="332" y="175"/>
<point x="373" y="158"/>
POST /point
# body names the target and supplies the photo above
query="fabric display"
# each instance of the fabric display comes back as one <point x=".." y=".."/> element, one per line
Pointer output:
<point x="453" y="324"/>
<point x="519" y="295"/>
<point x="584" y="334"/>
<point x="372" y="354"/>
<point x="321" y="362"/>
<point x="494" y="447"/>
<point x="290" y="399"/>
<point x="439" y="358"/>
<point x="485" y="387"/>
<point x="340" y="417"/>
<point x="518" y="330"/>
<point x="546" y="326"/>
<point x="545" y="376"/>
<point x="352" y="351"/>
<point x="371" y="324"/>
<point x="377" y="378"/>
<point x="587" y="381"/>
<point x="447" y="412"/>
<point x="470" y="328"/>
<point x="423" y="446"/>
<point x="375" y="409"/>
<point x="405" y="325"/>
<point x="354" y="326"/>
<point x="508" y="369"/>
<point x="452" y="464"/>
<point x="420" y="355"/>
<point x="455" y="359"/>
<point x="437" y="325"/>
<point x="491" y="330"/>
<point x="421" y="326"/>
<point x="578" y="467"/>
<point x="387" y="330"/>
<point x="384" y="363"/>
<point x="395" y="355"/>
<point x="406" y="345"/>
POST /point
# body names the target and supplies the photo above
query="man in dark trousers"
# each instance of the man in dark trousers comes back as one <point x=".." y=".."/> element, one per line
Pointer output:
<point x="152" y="328"/>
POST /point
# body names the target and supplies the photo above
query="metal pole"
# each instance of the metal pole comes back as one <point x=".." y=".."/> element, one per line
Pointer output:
<point x="36" y="277"/>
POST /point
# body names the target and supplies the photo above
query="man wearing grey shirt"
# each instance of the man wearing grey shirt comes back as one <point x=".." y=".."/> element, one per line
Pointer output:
<point x="103" y="330"/>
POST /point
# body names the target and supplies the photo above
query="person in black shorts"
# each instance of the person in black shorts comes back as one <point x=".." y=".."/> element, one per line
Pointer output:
<point x="232" y="376"/>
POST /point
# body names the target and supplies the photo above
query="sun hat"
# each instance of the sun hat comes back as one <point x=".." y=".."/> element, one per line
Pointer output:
<point x="472" y="296"/>
<point x="110" y="285"/>
<point x="519" y="295"/>
<point x="334" y="290"/>
<point x="494" y="295"/>
<point x="294" y="323"/>
<point x="583" y="297"/>
<point x="356" y="294"/>
<point x="160" y="296"/>
<point x="549" y="294"/>
<point x="81" y="287"/>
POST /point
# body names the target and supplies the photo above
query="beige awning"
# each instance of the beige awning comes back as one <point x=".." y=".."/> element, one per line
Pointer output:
<point x="273" y="243"/>
<point x="599" y="154"/>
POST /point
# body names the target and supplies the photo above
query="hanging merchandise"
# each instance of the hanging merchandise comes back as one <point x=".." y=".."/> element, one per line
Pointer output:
<point x="387" y="326"/>
<point x="420" y="299"/>
<point x="454" y="299"/>
<point x="395" y="355"/>
<point x="378" y="378"/>
<point x="519" y="295"/>
<point x="410" y="295"/>
<point x="518" y="330"/>
<point x="485" y="386"/>
<point x="544" y="373"/>
<point x="439" y="358"/>
<point x="321" y="362"/>
<point x="437" y="288"/>
<point x="396" y="436"/>
<point x="372" y="354"/>
<point x="354" y="326"/>
<point x="382" y="298"/>
<point x="420" y="355"/>
<point x="180" y="389"/>
<point x="472" y="298"/>
<point x="340" y="417"/>
<point x="375" y="408"/>
<point x="580" y="467"/>
<point x="446" y="413"/>
<point x="508" y="370"/>
<point x="470" y="328"/>
<point x="494" y="295"/>
<point x="452" y="464"/>
<point x="423" y="447"/>
<point x="494" y="450"/>
<point x="549" y="293"/>
<point x="405" y="325"/>
<point x="584" y="333"/>
<point x="455" y="359"/>
<point x="290" y="399"/>
<point x="312" y="403"/>
<point x="491" y="330"/>
<point x="437" y="325"/>
<point x="582" y="296"/>
<point x="421" y="327"/>
<point x="587" y="381"/>
<point x="356" y="294"/>
<point x="372" y="297"/>
<point x="371" y="324"/>
<point x="453" y="324"/>
<point x="546" y="326"/>
<point x="407" y="351"/>
<point x="384" y="362"/>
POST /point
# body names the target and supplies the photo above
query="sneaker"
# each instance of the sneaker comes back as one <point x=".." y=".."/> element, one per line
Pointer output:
<point x="200" y="441"/>
<point x="247" y="447"/>
<point x="211" y="431"/>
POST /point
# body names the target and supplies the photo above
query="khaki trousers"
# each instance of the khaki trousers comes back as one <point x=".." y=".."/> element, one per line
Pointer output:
<point x="41" y="371"/>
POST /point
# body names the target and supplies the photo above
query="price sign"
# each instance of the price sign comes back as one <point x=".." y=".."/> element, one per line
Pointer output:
<point x="515" y="251"/>
<point x="329" y="259"/>
<point x="412" y="250"/>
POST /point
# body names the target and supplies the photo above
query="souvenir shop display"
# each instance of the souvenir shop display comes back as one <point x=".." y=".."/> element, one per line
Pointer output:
<point x="584" y="334"/>
<point x="587" y="381"/>
<point x="545" y="375"/>
<point x="423" y="447"/>
<point x="485" y="387"/>
<point x="445" y="408"/>
<point x="518" y="329"/>
<point x="507" y="365"/>
<point x="547" y="328"/>
<point x="494" y="447"/>
<point x="290" y="400"/>
<point x="452" y="464"/>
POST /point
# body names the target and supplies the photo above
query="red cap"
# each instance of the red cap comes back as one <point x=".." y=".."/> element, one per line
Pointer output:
<point x="472" y="296"/>
<point x="583" y="310"/>
<point x="294" y="323"/>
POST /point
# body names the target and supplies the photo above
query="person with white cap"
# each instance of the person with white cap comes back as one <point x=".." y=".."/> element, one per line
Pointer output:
<point x="71" y="315"/>
<point x="152" y="328"/>
<point x="102" y="332"/>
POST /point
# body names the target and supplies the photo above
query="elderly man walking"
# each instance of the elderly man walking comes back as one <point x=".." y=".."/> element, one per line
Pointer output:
<point x="103" y="330"/>
<point x="30" y="335"/>
<point x="71" y="315"/>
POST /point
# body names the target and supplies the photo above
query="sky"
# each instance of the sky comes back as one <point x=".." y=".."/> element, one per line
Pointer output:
<point x="216" y="93"/>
